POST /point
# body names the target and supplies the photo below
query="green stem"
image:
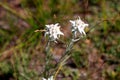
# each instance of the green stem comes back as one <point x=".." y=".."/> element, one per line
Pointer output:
<point x="47" y="59"/>
<point x="66" y="56"/>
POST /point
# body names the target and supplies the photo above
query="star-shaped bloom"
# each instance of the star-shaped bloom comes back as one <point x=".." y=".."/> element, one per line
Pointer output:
<point x="78" y="25"/>
<point x="51" y="78"/>
<point x="53" y="31"/>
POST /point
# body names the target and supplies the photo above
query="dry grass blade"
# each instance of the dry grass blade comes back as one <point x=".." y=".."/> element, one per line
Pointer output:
<point x="39" y="30"/>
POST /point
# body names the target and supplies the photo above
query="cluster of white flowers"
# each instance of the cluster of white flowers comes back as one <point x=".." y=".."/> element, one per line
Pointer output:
<point x="53" y="30"/>
<point x="78" y="25"/>
<point x="51" y="78"/>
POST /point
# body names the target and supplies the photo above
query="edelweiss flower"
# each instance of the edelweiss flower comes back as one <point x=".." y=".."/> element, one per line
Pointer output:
<point x="78" y="25"/>
<point x="53" y="30"/>
<point x="51" y="78"/>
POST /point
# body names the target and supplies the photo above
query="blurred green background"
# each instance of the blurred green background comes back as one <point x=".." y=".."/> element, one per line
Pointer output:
<point x="97" y="57"/>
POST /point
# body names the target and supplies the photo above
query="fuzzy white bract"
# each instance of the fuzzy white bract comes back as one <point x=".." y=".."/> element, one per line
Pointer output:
<point x="53" y="31"/>
<point x="51" y="78"/>
<point x="78" y="25"/>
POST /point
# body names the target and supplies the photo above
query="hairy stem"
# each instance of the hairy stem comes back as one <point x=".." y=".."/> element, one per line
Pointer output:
<point x="47" y="59"/>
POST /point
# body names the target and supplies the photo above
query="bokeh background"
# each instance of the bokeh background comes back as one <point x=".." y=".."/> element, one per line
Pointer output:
<point x="22" y="56"/>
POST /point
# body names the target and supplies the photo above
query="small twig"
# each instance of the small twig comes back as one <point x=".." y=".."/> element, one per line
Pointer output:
<point x="39" y="30"/>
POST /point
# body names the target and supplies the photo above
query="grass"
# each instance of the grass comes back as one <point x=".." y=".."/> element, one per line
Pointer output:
<point x="22" y="50"/>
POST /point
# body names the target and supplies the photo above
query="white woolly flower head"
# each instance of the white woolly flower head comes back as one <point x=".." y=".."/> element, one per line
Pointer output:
<point x="53" y="31"/>
<point x="78" y="25"/>
<point x="51" y="78"/>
